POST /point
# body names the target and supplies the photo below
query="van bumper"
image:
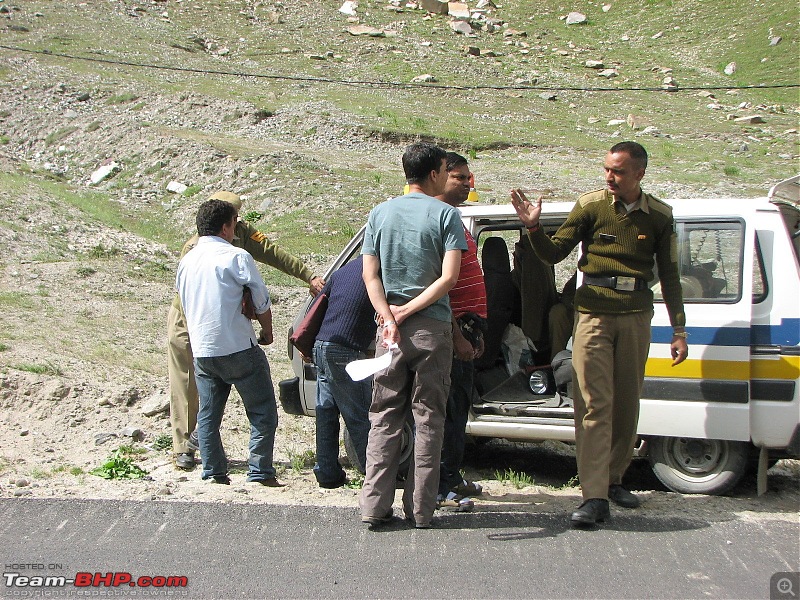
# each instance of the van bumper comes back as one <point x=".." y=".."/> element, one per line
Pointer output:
<point x="289" y="394"/>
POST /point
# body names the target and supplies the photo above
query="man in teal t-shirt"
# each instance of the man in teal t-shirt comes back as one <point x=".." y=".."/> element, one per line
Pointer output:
<point x="412" y="256"/>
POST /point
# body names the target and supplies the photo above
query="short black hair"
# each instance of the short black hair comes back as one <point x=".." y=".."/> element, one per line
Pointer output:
<point x="212" y="215"/>
<point x="633" y="149"/>
<point x="453" y="160"/>
<point x="420" y="159"/>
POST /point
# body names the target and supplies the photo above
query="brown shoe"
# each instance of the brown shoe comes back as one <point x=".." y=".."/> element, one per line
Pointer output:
<point x="271" y="482"/>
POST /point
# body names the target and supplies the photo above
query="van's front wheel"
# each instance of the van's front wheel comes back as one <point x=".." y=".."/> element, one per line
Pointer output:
<point x="697" y="466"/>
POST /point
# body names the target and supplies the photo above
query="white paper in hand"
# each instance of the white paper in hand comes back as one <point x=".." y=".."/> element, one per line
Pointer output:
<point x="361" y="369"/>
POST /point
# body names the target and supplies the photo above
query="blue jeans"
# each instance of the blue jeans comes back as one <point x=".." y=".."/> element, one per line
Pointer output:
<point x="338" y="394"/>
<point x="462" y="375"/>
<point x="248" y="371"/>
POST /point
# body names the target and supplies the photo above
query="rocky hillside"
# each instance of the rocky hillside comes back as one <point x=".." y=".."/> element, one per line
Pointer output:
<point x="118" y="118"/>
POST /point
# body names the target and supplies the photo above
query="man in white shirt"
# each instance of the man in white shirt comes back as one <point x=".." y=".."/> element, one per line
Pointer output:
<point x="210" y="282"/>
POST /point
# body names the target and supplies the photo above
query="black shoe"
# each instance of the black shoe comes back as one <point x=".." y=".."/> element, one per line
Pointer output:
<point x="376" y="522"/>
<point x="193" y="443"/>
<point x="185" y="461"/>
<point x="221" y="479"/>
<point x="334" y="484"/>
<point x="622" y="497"/>
<point x="591" y="512"/>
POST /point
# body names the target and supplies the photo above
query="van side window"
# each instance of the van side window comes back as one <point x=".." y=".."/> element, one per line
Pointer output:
<point x="710" y="261"/>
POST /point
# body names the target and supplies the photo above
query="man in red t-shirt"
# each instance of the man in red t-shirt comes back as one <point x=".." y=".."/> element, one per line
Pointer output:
<point x="468" y="303"/>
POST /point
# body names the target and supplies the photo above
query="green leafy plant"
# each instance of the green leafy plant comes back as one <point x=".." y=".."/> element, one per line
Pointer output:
<point x="76" y="471"/>
<point x="163" y="441"/>
<point x="518" y="480"/>
<point x="4" y="347"/>
<point x="253" y="216"/>
<point x="119" y="466"/>
<point x="192" y="190"/>
<point x="129" y="450"/>
<point x="301" y="460"/>
<point x="355" y="483"/>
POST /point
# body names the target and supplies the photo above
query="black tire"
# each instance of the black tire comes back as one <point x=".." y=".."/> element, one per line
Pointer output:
<point x="406" y="451"/>
<point x="697" y="466"/>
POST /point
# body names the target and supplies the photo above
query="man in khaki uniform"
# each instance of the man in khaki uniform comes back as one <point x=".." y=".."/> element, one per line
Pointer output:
<point x="184" y="400"/>
<point x="624" y="233"/>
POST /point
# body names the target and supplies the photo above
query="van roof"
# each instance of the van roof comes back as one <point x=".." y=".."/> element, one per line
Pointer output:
<point x="681" y="207"/>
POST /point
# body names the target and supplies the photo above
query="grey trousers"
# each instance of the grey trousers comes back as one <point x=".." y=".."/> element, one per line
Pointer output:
<point x="416" y="381"/>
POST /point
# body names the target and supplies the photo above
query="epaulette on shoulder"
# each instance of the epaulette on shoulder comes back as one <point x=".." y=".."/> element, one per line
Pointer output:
<point x="659" y="205"/>
<point x="590" y="197"/>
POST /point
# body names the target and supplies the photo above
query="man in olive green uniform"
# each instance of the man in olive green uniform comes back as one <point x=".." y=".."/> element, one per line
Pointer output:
<point x="621" y="230"/>
<point x="184" y="400"/>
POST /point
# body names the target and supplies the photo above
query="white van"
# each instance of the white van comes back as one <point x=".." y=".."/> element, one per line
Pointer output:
<point x="734" y="403"/>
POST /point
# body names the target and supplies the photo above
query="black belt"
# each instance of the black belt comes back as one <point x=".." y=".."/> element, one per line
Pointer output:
<point x="627" y="284"/>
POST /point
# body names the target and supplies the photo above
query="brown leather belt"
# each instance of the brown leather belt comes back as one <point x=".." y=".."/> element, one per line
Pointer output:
<point x="625" y="284"/>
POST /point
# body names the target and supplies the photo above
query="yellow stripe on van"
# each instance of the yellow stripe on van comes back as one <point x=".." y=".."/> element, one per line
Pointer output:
<point x="698" y="369"/>
<point x="784" y="367"/>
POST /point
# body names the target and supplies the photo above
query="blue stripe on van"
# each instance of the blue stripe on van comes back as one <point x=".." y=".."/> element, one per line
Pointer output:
<point x="707" y="336"/>
<point x="785" y="334"/>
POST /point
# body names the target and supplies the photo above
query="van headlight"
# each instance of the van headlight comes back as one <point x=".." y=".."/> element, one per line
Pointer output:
<point x="540" y="382"/>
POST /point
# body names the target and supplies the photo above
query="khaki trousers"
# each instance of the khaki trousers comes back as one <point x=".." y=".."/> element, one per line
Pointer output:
<point x="183" y="397"/>
<point x="609" y="353"/>
<point x="417" y="381"/>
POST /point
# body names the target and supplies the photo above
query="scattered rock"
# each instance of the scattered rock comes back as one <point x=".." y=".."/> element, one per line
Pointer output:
<point x="104" y="172"/>
<point x="366" y="30"/>
<point x="669" y="84"/>
<point x="551" y="96"/>
<point x="134" y="433"/>
<point x="606" y="7"/>
<point x="608" y="73"/>
<point x="750" y="120"/>
<point x="24" y="432"/>
<point x="576" y="18"/>
<point x="655" y="36"/>
<point x="514" y="33"/>
<point x="473" y="51"/>
<point x="348" y="8"/>
<point x="458" y="10"/>
<point x="22" y="482"/>
<point x="775" y="40"/>
<point x="615" y="122"/>
<point x="155" y="404"/>
<point x="103" y="437"/>
<point x="425" y="78"/>
<point x="17" y="493"/>
<point x="594" y="64"/>
<point x="437" y="7"/>
<point x="650" y="130"/>
<point x="461" y="27"/>
<point x="635" y="122"/>
<point x="730" y="68"/>
<point x="176" y="187"/>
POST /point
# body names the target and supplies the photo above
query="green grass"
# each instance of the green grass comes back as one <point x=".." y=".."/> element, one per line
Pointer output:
<point x="148" y="222"/>
<point x="301" y="460"/>
<point x="17" y="300"/>
<point x="59" y="135"/>
<point x="163" y="441"/>
<point x="4" y="347"/>
<point x="518" y="480"/>
<point x="122" y="98"/>
<point x="47" y="368"/>
<point x="76" y="471"/>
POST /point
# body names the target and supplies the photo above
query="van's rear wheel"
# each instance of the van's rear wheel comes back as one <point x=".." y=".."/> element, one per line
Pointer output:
<point x="406" y="451"/>
<point x="697" y="466"/>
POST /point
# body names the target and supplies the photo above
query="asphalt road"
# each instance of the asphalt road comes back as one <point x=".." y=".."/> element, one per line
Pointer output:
<point x="262" y="551"/>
